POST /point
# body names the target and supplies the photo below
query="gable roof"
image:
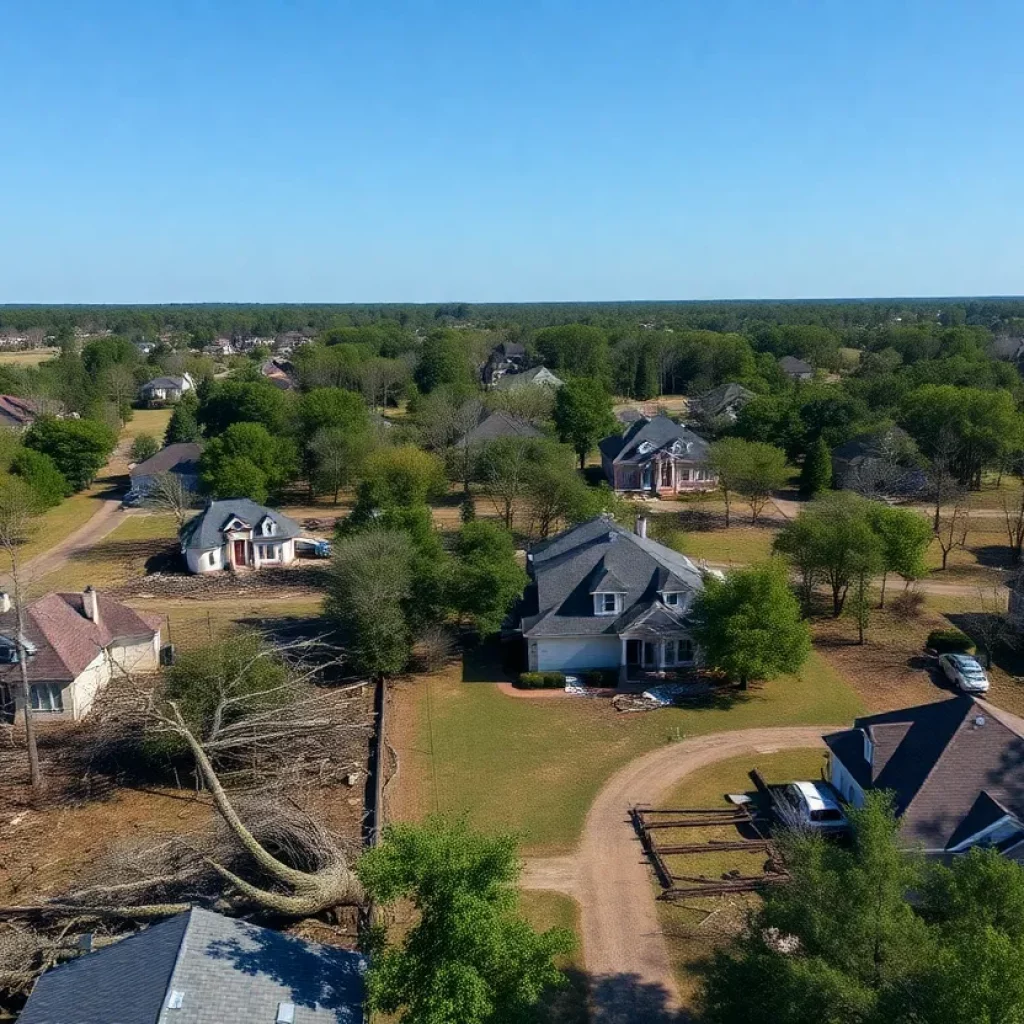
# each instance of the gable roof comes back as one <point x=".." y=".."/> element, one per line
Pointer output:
<point x="497" y="424"/>
<point x="182" y="457"/>
<point x="517" y="380"/>
<point x="17" y="412"/>
<point x="869" y="445"/>
<point x="725" y="396"/>
<point x="66" y="640"/>
<point x="939" y="760"/>
<point x="600" y="555"/>
<point x="206" y="530"/>
<point x="660" y="433"/>
<point x="156" y="383"/>
<point x="790" y="364"/>
<point x="226" y="970"/>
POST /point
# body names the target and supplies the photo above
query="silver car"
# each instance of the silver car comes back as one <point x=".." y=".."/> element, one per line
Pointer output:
<point x="809" y="805"/>
<point x="964" y="672"/>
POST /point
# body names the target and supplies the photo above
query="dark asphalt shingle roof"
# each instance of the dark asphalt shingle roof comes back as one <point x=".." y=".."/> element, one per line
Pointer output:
<point x="938" y="760"/>
<point x="227" y="971"/>
<point x="567" y="569"/>
<point x="511" y="381"/>
<point x="718" y="400"/>
<point x="164" y="382"/>
<point x="495" y="425"/>
<point x="790" y="364"/>
<point x="175" y="458"/>
<point x="17" y="412"/>
<point x="207" y="529"/>
<point x="660" y="433"/>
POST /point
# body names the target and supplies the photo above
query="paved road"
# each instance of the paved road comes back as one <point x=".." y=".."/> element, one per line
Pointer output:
<point x="624" y="950"/>
<point x="107" y="517"/>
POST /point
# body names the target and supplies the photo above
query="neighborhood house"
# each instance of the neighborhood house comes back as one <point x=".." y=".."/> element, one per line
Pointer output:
<point x="508" y="357"/>
<point x="495" y="425"/>
<point x="539" y="376"/>
<point x="17" y="413"/>
<point x="658" y="456"/>
<point x="237" y="533"/>
<point x="167" y="389"/>
<point x="199" y="967"/>
<point x="955" y="769"/>
<point x="74" y="645"/>
<point x="796" y="369"/>
<point x="603" y="597"/>
<point x="721" y="403"/>
<point x="180" y="460"/>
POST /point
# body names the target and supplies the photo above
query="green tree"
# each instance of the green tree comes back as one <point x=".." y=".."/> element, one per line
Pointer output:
<point x="904" y="536"/>
<point x="145" y="446"/>
<point x="487" y="577"/>
<point x="578" y="350"/>
<point x="762" y="472"/>
<point x="469" y="957"/>
<point x="225" y="402"/>
<point x="832" y="540"/>
<point x="370" y="579"/>
<point x="748" y="625"/>
<point x="398" y="477"/>
<point x="41" y="474"/>
<point x="246" y="455"/>
<point x="183" y="426"/>
<point x="79" y="448"/>
<point x="816" y="472"/>
<point x="583" y="415"/>
<point x="445" y="362"/>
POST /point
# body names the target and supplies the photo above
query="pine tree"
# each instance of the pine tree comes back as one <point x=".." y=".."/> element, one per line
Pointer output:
<point x="816" y="475"/>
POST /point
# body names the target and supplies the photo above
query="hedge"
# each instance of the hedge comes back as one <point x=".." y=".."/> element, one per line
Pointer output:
<point x="949" y="641"/>
<point x="542" y="681"/>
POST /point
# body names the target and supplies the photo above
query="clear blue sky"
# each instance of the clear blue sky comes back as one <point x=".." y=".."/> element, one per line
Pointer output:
<point x="491" y="150"/>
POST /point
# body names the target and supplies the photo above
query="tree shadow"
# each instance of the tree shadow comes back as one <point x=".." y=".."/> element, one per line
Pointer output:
<point x="492" y="660"/>
<point x="274" y="968"/>
<point x="995" y="556"/>
<point x="627" y="999"/>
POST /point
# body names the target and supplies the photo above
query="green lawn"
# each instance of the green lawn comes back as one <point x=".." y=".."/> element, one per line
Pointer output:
<point x="694" y="929"/>
<point x="544" y="910"/>
<point x="27" y="357"/>
<point x="535" y="766"/>
<point x="147" y="421"/>
<point x="739" y="545"/>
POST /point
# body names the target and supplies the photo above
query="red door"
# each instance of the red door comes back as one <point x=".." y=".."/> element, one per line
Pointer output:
<point x="239" y="552"/>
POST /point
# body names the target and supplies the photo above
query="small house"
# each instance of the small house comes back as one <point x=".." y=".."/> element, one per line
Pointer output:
<point x="167" y="389"/>
<point x="199" y="967"/>
<point x="279" y="372"/>
<point x="796" y="369"/>
<point x="18" y="413"/>
<point x="539" y="376"/>
<point x="657" y="456"/>
<point x="73" y="645"/>
<point x="508" y="357"/>
<point x="883" y="462"/>
<point x="603" y="597"/>
<point x="236" y="533"/>
<point x="721" y="403"/>
<point x="180" y="460"/>
<point x="495" y="425"/>
<point x="955" y="769"/>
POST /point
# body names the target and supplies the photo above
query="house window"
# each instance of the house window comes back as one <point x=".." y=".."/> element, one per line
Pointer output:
<point x="606" y="604"/>
<point x="684" y="652"/>
<point x="670" y="652"/>
<point x="47" y="697"/>
<point x="8" y="654"/>
<point x="684" y="475"/>
<point x="671" y="598"/>
<point x="666" y="474"/>
<point x="268" y="527"/>
<point x="269" y="552"/>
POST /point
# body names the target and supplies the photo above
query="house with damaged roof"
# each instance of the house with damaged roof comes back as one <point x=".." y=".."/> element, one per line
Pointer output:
<point x="73" y="645"/>
<point x="657" y="456"/>
<point x="237" y="533"/>
<point x="603" y="597"/>
<point x="955" y="769"/>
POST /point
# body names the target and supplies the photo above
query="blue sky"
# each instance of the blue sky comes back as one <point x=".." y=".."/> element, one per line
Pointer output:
<point x="299" y="150"/>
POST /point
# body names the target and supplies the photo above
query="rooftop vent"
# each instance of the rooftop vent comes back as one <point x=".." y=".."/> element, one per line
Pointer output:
<point x="175" y="999"/>
<point x="285" y="1013"/>
<point x="979" y="721"/>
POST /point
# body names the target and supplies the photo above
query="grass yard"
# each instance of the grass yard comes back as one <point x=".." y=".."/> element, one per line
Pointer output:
<point x="545" y="910"/>
<point x="739" y="545"/>
<point x="534" y="766"/>
<point x="692" y="930"/>
<point x="27" y="357"/>
<point x="147" y="421"/>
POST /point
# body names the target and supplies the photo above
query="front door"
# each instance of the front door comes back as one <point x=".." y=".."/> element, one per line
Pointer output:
<point x="239" y="552"/>
<point x="633" y="653"/>
<point x="650" y="654"/>
<point x="6" y="705"/>
<point x="645" y="476"/>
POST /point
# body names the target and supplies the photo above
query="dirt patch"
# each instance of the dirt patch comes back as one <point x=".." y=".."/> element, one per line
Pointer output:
<point x="300" y="578"/>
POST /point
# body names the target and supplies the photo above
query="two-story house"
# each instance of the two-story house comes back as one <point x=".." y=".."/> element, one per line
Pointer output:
<point x="657" y="456"/>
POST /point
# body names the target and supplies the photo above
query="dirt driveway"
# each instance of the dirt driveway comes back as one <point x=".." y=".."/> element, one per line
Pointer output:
<point x="624" y="950"/>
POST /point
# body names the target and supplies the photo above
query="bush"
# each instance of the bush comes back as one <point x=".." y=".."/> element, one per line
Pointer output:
<point x="600" y="677"/>
<point x="144" y="447"/>
<point x="541" y="681"/>
<point x="949" y="641"/>
<point x="907" y="605"/>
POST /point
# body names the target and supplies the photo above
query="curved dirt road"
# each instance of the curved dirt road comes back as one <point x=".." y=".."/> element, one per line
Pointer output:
<point x="624" y="950"/>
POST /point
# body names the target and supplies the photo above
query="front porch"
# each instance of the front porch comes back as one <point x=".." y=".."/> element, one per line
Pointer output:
<point x="646" y="661"/>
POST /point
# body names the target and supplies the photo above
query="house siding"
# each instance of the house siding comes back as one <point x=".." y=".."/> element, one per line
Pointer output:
<point x="844" y="782"/>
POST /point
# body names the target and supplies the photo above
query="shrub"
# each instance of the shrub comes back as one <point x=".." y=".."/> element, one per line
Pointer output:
<point x="600" y="677"/>
<point x="907" y="605"/>
<point x="946" y="641"/>
<point x="541" y="681"/>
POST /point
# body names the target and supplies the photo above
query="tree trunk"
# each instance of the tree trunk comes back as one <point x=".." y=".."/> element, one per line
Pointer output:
<point x="885" y="576"/>
<point x="743" y="682"/>
<point x="837" y="601"/>
<point x="945" y="555"/>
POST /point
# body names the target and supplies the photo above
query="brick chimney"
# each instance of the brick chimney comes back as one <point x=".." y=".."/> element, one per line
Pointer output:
<point x="90" y="600"/>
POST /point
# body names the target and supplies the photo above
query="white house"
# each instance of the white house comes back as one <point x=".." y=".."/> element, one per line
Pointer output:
<point x="74" y="645"/>
<point x="236" y="533"/>
<point x="955" y="769"/>
<point x="603" y="597"/>
<point x="167" y="389"/>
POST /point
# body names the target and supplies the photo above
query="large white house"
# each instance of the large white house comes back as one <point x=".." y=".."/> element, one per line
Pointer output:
<point x="74" y="645"/>
<point x="236" y="533"/>
<point x="604" y="597"/>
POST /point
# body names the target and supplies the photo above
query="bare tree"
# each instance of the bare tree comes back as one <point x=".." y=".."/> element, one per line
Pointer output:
<point x="381" y="379"/>
<point x="1013" y="516"/>
<point x="120" y="388"/>
<point x="990" y="625"/>
<point x="18" y="509"/>
<point x="951" y="525"/>
<point x="942" y="478"/>
<point x="171" y="494"/>
<point x="332" y="453"/>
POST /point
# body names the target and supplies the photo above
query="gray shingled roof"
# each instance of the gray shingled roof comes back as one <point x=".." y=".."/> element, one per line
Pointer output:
<point x="948" y="764"/>
<point x="207" y="529"/>
<point x="175" y="458"/>
<point x="791" y="364"/>
<point x="660" y="433"/>
<point x="567" y="569"/>
<point x="227" y="971"/>
<point x="718" y="400"/>
<point x="511" y="381"/>
<point x="164" y="382"/>
<point x="495" y="425"/>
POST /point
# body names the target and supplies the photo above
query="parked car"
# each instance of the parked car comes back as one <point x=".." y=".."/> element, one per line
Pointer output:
<point x="809" y="805"/>
<point x="964" y="672"/>
<point x="131" y="500"/>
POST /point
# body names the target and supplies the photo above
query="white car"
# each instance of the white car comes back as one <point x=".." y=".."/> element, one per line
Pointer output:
<point x="809" y="805"/>
<point x="964" y="672"/>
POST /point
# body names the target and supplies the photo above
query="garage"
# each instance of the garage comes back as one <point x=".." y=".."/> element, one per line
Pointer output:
<point x="574" y="654"/>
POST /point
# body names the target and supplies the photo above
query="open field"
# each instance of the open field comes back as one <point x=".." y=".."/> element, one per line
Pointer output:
<point x="694" y="928"/>
<point x="27" y="357"/>
<point x="147" y="421"/>
<point x="535" y="766"/>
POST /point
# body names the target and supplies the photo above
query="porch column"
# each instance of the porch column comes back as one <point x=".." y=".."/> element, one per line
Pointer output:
<point x="661" y="654"/>
<point x="623" y="661"/>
